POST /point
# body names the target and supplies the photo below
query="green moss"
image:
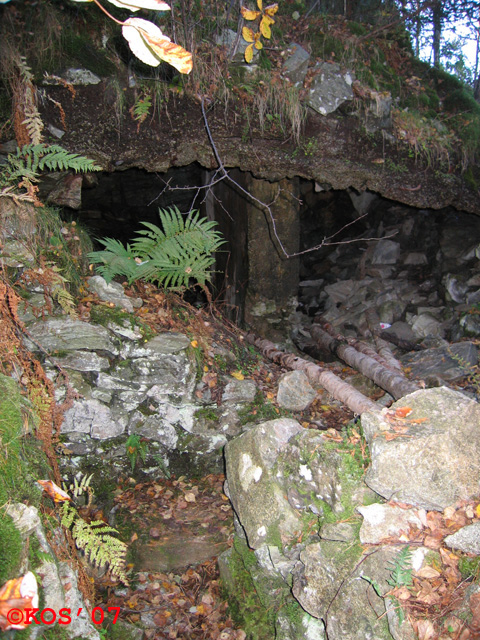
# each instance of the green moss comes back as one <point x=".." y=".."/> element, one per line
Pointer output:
<point x="245" y="606"/>
<point x="11" y="548"/>
<point x="21" y="463"/>
<point x="207" y="413"/>
<point x="469" y="568"/>
<point x="260" y="410"/>
<point x="102" y="315"/>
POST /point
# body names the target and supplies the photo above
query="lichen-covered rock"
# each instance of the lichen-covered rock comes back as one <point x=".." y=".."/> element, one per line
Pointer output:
<point x="327" y="583"/>
<point x="431" y="459"/>
<point x="257" y="495"/>
<point x="66" y="334"/>
<point x="295" y="391"/>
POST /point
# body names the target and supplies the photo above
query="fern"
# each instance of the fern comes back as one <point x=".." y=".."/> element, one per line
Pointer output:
<point x="26" y="163"/>
<point x="95" y="538"/>
<point x="171" y="257"/>
<point x="115" y="260"/>
<point x="401" y="569"/>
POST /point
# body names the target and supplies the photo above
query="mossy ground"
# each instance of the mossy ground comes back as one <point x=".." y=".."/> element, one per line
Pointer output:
<point x="22" y="462"/>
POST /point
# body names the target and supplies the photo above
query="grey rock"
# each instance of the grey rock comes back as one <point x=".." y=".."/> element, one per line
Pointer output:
<point x="296" y="64"/>
<point x="330" y="88"/>
<point x="466" y="539"/>
<point x="81" y="77"/>
<point x="436" y="461"/>
<point x="448" y="363"/>
<point x="355" y="611"/>
<point x="82" y="361"/>
<point x="112" y="292"/>
<point x="338" y="531"/>
<point x="386" y="252"/>
<point x="93" y="417"/>
<point x="295" y="391"/>
<point x="239" y="392"/>
<point x="415" y="258"/>
<point x="425" y="325"/>
<point x="382" y="521"/>
<point x="257" y="497"/>
<point x="67" y="191"/>
<point x="456" y="287"/>
<point x="66" y="334"/>
<point x="235" y="43"/>
<point x="81" y="625"/>
<point x="362" y="201"/>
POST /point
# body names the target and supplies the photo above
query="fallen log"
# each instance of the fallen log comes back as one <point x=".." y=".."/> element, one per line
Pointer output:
<point x="394" y="382"/>
<point x="383" y="347"/>
<point x="340" y="390"/>
<point x="358" y="345"/>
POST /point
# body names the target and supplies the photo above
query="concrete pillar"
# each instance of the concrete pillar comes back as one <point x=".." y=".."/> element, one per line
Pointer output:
<point x="272" y="276"/>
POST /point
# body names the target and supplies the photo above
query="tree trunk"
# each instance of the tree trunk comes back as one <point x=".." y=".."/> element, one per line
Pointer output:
<point x="437" y="15"/>
<point x="340" y="390"/>
<point x="395" y="383"/>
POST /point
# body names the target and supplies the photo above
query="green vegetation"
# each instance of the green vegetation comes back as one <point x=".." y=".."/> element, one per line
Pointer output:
<point x="245" y="606"/>
<point x="260" y="410"/>
<point x="137" y="448"/>
<point x="183" y="251"/>
<point x="102" y="315"/>
<point x="21" y="463"/>
<point x="469" y="568"/>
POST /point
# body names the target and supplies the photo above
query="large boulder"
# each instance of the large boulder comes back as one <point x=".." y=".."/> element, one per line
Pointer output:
<point x="429" y="458"/>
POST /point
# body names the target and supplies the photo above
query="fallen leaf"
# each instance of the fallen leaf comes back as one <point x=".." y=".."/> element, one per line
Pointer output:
<point x="238" y="375"/>
<point x="425" y="630"/>
<point x="189" y="497"/>
<point x="54" y="491"/>
<point x="427" y="572"/>
<point x="403" y="412"/>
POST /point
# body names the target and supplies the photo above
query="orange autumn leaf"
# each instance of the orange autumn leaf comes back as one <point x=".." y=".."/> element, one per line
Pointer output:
<point x="18" y="594"/>
<point x="403" y="412"/>
<point x="54" y="491"/>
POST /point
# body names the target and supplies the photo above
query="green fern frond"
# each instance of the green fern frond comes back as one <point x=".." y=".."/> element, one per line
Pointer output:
<point x="115" y="260"/>
<point x="401" y="569"/>
<point x="171" y="257"/>
<point x="68" y="515"/>
<point x="31" y="159"/>
<point x="97" y="540"/>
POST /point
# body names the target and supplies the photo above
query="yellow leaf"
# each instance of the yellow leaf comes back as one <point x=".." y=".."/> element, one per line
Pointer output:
<point x="238" y="374"/>
<point x="249" y="53"/>
<point x="477" y="510"/>
<point x="272" y="9"/>
<point x="248" y="14"/>
<point x="268" y="19"/>
<point x="258" y="44"/>
<point x="271" y="396"/>
<point x="260" y="4"/>
<point x="265" y="29"/>
<point x="248" y="35"/>
<point x="194" y="344"/>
